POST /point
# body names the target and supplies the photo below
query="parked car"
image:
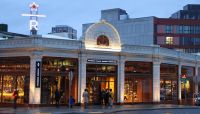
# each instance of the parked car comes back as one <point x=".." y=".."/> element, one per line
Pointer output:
<point x="197" y="99"/>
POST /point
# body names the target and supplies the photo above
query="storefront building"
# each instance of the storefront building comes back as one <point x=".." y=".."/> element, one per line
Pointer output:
<point x="37" y="66"/>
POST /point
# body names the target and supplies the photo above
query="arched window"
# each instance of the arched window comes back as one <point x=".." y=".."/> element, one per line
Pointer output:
<point x="103" y="40"/>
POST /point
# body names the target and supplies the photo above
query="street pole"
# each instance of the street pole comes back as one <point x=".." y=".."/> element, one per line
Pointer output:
<point x="185" y="89"/>
<point x="70" y="83"/>
<point x="69" y="89"/>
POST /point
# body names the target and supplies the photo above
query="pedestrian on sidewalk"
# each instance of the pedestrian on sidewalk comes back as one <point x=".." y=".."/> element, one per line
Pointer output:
<point x="107" y="97"/>
<point x="15" y="97"/>
<point x="85" y="98"/>
<point x="57" y="97"/>
<point x="111" y="98"/>
<point x="71" y="101"/>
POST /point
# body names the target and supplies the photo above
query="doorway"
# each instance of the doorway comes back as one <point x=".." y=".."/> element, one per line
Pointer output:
<point x="100" y="77"/>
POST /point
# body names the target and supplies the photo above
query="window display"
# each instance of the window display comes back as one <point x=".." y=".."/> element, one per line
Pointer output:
<point x="14" y="75"/>
<point x="138" y="82"/>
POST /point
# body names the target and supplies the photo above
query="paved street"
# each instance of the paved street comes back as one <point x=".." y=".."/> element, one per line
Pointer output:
<point x="162" y="111"/>
<point x="117" y="109"/>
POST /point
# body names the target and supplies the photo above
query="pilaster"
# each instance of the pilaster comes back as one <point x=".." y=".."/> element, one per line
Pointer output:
<point x="156" y="81"/>
<point x="82" y="76"/>
<point x="196" y="78"/>
<point x="120" y="79"/>
<point x="179" y="81"/>
<point x="35" y="92"/>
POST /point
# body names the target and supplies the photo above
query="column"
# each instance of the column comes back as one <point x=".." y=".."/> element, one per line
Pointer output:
<point x="156" y="81"/>
<point x="179" y="81"/>
<point x="81" y="76"/>
<point x="120" y="80"/>
<point x="35" y="90"/>
<point x="196" y="79"/>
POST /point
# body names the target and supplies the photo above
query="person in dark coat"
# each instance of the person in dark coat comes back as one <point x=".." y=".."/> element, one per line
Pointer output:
<point x="107" y="97"/>
<point x="57" y="97"/>
<point x="71" y="101"/>
<point x="15" y="96"/>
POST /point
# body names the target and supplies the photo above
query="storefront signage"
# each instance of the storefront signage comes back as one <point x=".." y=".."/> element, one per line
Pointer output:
<point x="37" y="74"/>
<point x="33" y="24"/>
<point x="100" y="61"/>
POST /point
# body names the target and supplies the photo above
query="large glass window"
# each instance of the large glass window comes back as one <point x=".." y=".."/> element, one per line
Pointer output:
<point x="100" y="78"/>
<point x="55" y="75"/>
<point x="168" y="82"/>
<point x="187" y="83"/>
<point x="14" y="74"/>
<point x="138" y="82"/>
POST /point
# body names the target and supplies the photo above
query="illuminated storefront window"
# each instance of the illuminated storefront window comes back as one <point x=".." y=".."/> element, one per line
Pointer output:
<point x="55" y="75"/>
<point x="187" y="83"/>
<point x="101" y="78"/>
<point x="14" y="74"/>
<point x="168" y="82"/>
<point x="138" y="82"/>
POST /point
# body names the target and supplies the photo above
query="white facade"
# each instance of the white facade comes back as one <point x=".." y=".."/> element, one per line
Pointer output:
<point x="38" y="47"/>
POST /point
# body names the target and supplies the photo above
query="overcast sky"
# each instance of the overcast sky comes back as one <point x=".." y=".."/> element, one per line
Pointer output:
<point x="77" y="12"/>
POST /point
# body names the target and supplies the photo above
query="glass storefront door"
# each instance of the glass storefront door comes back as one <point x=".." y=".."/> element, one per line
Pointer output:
<point x="168" y="82"/>
<point x="97" y="84"/>
<point x="49" y="86"/>
<point x="100" y="77"/>
<point x="137" y="89"/>
<point x="55" y="75"/>
<point x="138" y="82"/>
<point x="168" y="89"/>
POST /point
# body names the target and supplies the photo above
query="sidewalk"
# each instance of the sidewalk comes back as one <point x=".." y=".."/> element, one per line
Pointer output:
<point x="91" y="109"/>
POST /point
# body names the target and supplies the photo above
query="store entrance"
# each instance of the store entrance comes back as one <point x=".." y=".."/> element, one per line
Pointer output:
<point x="96" y="85"/>
<point x="168" y="89"/>
<point x="100" y="78"/>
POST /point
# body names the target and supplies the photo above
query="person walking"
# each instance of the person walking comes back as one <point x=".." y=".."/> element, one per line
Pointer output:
<point x="15" y="97"/>
<point x="103" y="95"/>
<point x="85" y="98"/>
<point x="111" y="98"/>
<point x="57" y="98"/>
<point x="107" y="97"/>
<point x="71" y="101"/>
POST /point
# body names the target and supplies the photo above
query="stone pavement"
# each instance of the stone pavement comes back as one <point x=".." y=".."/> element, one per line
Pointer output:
<point x="91" y="109"/>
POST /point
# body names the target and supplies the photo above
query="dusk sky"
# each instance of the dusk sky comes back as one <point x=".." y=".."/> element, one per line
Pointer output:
<point x="77" y="12"/>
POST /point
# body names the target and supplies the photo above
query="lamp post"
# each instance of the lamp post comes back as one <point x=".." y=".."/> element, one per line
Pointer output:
<point x="70" y="83"/>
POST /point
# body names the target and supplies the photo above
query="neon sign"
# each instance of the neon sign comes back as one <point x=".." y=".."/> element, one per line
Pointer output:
<point x="33" y="23"/>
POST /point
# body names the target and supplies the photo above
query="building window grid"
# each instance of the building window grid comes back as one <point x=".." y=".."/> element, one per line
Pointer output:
<point x="180" y="29"/>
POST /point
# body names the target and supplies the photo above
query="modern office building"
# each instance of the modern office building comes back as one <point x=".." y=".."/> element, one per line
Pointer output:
<point x="190" y="11"/>
<point x="64" y="31"/>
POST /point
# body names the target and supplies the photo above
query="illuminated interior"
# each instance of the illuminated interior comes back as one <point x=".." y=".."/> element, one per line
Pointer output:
<point x="55" y="74"/>
<point x="14" y="72"/>
<point x="100" y="77"/>
<point x="138" y="82"/>
<point x="168" y="82"/>
<point x="169" y="40"/>
<point x="187" y="83"/>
